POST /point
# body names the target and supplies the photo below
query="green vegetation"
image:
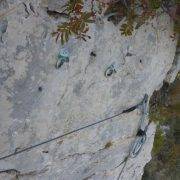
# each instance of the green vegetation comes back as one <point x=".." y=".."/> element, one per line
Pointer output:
<point x="136" y="13"/>
<point x="164" y="110"/>
<point x="159" y="141"/>
<point x="78" y="23"/>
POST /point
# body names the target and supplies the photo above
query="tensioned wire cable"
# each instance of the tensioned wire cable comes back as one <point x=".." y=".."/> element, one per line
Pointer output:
<point x="70" y="132"/>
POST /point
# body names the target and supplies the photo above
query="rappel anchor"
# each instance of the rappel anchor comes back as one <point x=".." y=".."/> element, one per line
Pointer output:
<point x="141" y="134"/>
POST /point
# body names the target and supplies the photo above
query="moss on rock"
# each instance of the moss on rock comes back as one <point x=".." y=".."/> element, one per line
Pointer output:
<point x="164" y="110"/>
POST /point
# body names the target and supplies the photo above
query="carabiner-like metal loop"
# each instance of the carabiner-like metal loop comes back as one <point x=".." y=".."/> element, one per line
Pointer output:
<point x="137" y="145"/>
<point x="59" y="63"/>
<point x="144" y="109"/>
<point x="141" y="134"/>
<point x="110" y="70"/>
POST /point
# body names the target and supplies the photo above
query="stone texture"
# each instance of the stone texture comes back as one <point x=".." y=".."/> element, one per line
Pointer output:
<point x="75" y="95"/>
<point x="171" y="75"/>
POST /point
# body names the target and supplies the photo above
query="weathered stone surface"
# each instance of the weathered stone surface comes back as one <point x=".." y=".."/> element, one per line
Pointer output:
<point x="171" y="75"/>
<point x="75" y="95"/>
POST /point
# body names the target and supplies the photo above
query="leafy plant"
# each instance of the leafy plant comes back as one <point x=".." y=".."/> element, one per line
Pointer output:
<point x="127" y="29"/>
<point x="155" y="4"/>
<point x="136" y="12"/>
<point x="78" y="24"/>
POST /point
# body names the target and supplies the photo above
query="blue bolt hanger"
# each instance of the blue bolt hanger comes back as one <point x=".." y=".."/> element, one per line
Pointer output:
<point x="62" y="57"/>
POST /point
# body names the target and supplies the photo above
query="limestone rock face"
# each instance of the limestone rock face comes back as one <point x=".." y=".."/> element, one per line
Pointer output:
<point x="171" y="75"/>
<point x="75" y="95"/>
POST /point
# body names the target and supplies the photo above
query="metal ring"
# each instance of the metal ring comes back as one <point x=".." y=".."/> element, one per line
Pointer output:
<point x="59" y="63"/>
<point x="137" y="145"/>
<point x="110" y="70"/>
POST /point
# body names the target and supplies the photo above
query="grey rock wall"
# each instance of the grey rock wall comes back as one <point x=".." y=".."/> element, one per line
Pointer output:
<point x="75" y="95"/>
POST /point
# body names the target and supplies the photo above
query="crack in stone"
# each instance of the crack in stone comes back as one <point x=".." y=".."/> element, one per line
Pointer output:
<point x="89" y="177"/>
<point x="10" y="171"/>
<point x="81" y="154"/>
<point x="18" y="173"/>
<point x="92" y="153"/>
<point x="62" y="96"/>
